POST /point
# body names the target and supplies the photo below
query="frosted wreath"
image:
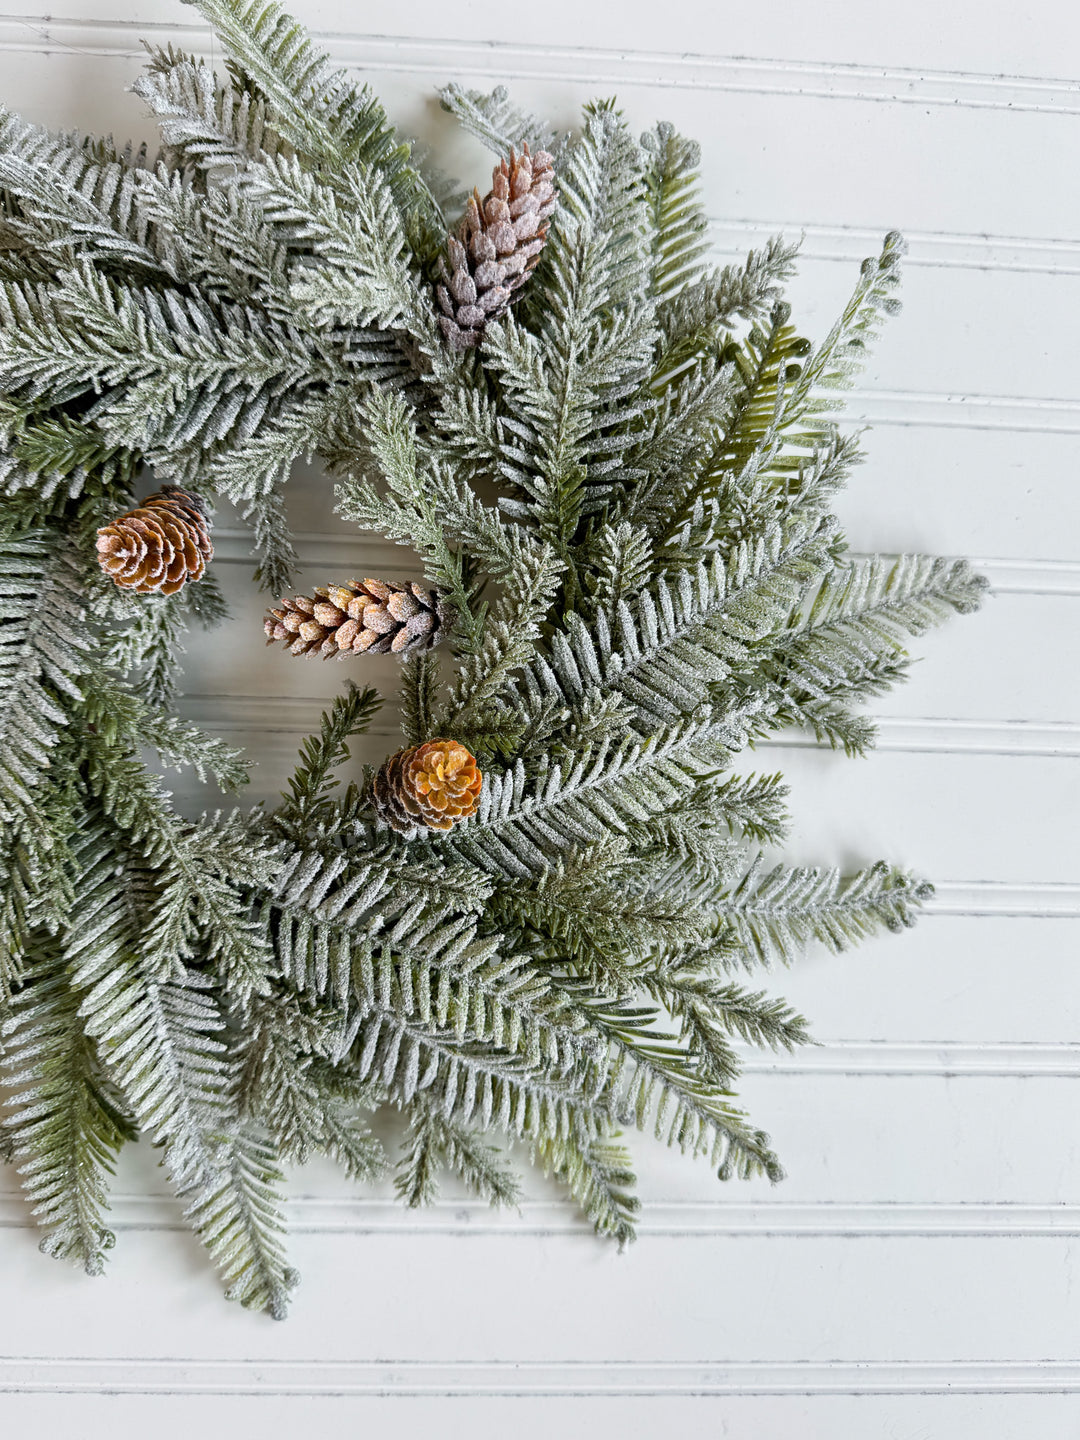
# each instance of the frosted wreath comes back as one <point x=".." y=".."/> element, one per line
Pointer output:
<point x="612" y="466"/>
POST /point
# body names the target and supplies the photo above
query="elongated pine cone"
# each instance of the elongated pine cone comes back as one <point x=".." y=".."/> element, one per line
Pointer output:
<point x="160" y="545"/>
<point x="365" y="617"/>
<point x="497" y="245"/>
<point x="433" y="785"/>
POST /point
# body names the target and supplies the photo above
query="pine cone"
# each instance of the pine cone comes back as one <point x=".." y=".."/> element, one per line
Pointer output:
<point x="361" y="618"/>
<point x="158" y="546"/>
<point x="497" y="245"/>
<point x="432" y="785"/>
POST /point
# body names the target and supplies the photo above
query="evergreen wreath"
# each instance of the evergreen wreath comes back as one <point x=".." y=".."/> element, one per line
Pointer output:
<point x="616" y="465"/>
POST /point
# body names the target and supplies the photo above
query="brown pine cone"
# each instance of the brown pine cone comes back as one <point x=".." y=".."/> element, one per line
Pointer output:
<point x="158" y="546"/>
<point x="497" y="245"/>
<point x="360" y="618"/>
<point x="432" y="785"/>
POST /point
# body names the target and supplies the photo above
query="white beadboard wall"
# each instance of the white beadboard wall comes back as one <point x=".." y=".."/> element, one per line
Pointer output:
<point x="916" y="1275"/>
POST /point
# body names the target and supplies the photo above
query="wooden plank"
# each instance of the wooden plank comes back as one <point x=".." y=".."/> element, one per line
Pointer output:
<point x="953" y="976"/>
<point x="948" y="1301"/>
<point x="1012" y="1416"/>
<point x="936" y="814"/>
<point x="794" y="116"/>
<point x="988" y="40"/>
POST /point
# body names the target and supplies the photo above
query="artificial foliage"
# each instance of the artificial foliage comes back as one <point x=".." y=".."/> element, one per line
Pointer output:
<point x="536" y="926"/>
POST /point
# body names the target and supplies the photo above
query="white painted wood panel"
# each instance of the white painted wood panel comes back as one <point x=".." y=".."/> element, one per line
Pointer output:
<point x="913" y="1403"/>
<point x="916" y="1273"/>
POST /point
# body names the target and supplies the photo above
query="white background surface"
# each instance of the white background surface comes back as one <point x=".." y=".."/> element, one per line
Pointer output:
<point x="915" y="1275"/>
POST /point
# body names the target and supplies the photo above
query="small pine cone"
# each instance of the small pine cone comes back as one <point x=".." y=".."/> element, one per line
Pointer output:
<point x="361" y="618"/>
<point x="158" y="546"/>
<point x="432" y="785"/>
<point x="496" y="247"/>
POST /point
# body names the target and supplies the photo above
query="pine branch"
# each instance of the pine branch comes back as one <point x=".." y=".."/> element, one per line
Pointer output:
<point x="677" y="219"/>
<point x="307" y="1105"/>
<point x="664" y="651"/>
<point x="842" y="354"/>
<point x="699" y="314"/>
<point x="418" y="696"/>
<point x="493" y="119"/>
<point x="621" y="559"/>
<point x="316" y="108"/>
<point x="652" y="1077"/>
<point x="847" y="645"/>
<point x="278" y="559"/>
<point x="199" y="907"/>
<point x="44" y="652"/>
<point x="76" y="198"/>
<point x="237" y="1215"/>
<point x="162" y="1043"/>
<point x="567" y="385"/>
<point x="64" y="1130"/>
<point x="146" y="642"/>
<point x="433" y="1143"/>
<point x="307" y="805"/>
<point x="213" y="122"/>
<point x="589" y="919"/>
<point x="511" y="629"/>
<point x="37" y="867"/>
<point x="120" y="716"/>
<point x="173" y="367"/>
<point x="774" y="915"/>
<point x="427" y="508"/>
<point x="598" y="1174"/>
<point x="360" y="276"/>
<point x="711" y="1012"/>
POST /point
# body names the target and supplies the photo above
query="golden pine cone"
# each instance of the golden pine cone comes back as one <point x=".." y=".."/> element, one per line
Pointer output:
<point x="158" y="546"/>
<point x="432" y="785"/>
<point x="496" y="247"/>
<point x="360" y="618"/>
